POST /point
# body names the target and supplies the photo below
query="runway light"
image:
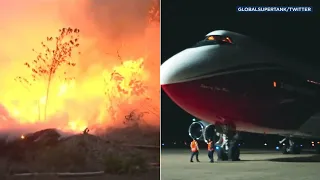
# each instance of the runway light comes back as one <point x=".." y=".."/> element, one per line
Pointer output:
<point x="162" y="144"/>
<point x="277" y="148"/>
<point x="265" y="144"/>
<point x="301" y="145"/>
<point x="283" y="144"/>
<point x="312" y="145"/>
<point x="312" y="142"/>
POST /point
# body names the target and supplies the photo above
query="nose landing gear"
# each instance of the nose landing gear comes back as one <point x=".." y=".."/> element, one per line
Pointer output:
<point x="227" y="145"/>
<point x="290" y="147"/>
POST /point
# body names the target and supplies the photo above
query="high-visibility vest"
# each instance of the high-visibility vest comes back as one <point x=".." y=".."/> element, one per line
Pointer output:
<point x="209" y="146"/>
<point x="194" y="146"/>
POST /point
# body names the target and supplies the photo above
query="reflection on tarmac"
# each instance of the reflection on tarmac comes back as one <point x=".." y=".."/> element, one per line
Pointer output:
<point x="261" y="165"/>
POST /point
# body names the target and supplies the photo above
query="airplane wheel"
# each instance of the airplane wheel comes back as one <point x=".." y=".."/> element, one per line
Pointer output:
<point x="218" y="152"/>
<point x="237" y="156"/>
<point x="291" y="150"/>
<point x="222" y="155"/>
<point x="285" y="149"/>
<point x="234" y="152"/>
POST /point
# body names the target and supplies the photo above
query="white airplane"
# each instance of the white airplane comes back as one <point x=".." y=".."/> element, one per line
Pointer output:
<point x="235" y="84"/>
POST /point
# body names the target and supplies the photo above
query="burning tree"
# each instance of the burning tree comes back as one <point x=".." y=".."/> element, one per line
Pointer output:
<point x="134" y="117"/>
<point x="51" y="59"/>
<point x="128" y="82"/>
<point x="123" y="83"/>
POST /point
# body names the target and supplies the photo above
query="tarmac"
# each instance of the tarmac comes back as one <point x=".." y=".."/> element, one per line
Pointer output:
<point x="254" y="165"/>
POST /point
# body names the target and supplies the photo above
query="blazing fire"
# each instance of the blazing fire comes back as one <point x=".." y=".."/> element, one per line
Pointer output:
<point x="112" y="75"/>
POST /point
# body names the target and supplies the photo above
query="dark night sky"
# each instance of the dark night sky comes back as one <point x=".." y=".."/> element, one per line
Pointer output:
<point x="183" y="23"/>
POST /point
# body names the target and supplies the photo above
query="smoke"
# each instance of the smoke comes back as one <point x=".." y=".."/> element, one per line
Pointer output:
<point x="111" y="32"/>
<point x="111" y="23"/>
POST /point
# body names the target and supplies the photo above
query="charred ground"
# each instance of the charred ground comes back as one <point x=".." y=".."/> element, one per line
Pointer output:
<point x="117" y="151"/>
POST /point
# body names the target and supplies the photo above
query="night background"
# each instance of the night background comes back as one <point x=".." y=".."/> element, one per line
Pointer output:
<point x="184" y="23"/>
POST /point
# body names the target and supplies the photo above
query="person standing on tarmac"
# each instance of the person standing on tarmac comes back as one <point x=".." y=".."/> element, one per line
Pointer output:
<point x="194" y="150"/>
<point x="210" y="150"/>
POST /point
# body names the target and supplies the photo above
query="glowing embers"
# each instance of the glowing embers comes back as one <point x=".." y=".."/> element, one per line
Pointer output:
<point x="219" y="39"/>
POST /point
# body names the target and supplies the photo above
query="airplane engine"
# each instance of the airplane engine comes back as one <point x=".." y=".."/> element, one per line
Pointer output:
<point x="196" y="130"/>
<point x="210" y="132"/>
<point x="226" y="144"/>
<point x="203" y="131"/>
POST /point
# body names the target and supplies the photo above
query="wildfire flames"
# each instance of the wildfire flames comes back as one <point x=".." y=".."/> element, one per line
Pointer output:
<point x="116" y="71"/>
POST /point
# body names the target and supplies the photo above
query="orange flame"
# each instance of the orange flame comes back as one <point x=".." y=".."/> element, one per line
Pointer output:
<point x="106" y="86"/>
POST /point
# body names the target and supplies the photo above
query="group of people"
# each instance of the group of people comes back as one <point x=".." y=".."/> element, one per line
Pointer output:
<point x="195" y="150"/>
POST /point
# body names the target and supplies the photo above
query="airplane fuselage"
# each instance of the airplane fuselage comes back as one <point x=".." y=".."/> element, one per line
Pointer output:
<point x="244" y="84"/>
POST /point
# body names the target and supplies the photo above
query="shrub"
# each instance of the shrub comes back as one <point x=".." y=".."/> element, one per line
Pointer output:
<point x="60" y="158"/>
<point x="135" y="163"/>
<point x="116" y="163"/>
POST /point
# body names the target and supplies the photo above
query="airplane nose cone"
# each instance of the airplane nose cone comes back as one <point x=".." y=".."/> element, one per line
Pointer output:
<point x="188" y="64"/>
<point x="183" y="75"/>
<point x="174" y="69"/>
<point x="177" y="79"/>
<point x="178" y="68"/>
<point x="168" y="72"/>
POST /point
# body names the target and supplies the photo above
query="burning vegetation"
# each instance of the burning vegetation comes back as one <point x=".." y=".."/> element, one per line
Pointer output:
<point x="71" y="65"/>
<point x="74" y="79"/>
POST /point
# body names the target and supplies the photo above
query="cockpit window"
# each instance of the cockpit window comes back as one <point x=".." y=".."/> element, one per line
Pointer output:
<point x="214" y="39"/>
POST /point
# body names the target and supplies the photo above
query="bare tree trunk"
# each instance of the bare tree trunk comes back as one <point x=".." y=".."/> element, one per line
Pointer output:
<point x="47" y="97"/>
<point x="39" y="111"/>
